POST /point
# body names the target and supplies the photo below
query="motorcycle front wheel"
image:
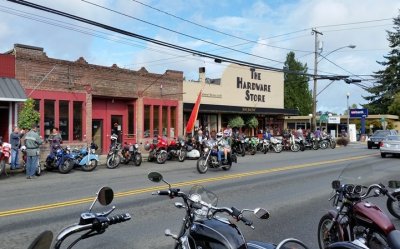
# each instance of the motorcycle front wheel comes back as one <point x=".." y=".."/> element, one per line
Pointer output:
<point x="138" y="159"/>
<point x="394" y="206"/>
<point x="253" y="151"/>
<point x="315" y="146"/>
<point x="295" y="147"/>
<point x="91" y="166"/>
<point x="333" y="144"/>
<point x="277" y="149"/>
<point x="2" y="166"/>
<point x="202" y="165"/>
<point x="113" y="161"/>
<point x="323" y="145"/>
<point x="162" y="157"/>
<point x="66" y="167"/>
<point x="326" y="236"/>
<point x="182" y="156"/>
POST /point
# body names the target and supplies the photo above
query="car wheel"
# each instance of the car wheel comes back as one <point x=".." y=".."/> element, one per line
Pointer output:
<point x="369" y="146"/>
<point x="383" y="155"/>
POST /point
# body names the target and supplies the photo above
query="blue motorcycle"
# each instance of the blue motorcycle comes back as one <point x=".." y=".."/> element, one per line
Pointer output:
<point x="85" y="158"/>
<point x="58" y="159"/>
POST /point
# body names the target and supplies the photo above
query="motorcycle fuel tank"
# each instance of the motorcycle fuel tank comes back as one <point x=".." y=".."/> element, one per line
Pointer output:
<point x="217" y="234"/>
<point x="370" y="215"/>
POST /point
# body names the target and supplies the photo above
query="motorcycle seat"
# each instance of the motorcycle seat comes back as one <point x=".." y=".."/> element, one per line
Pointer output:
<point x="394" y="239"/>
<point x="260" y="245"/>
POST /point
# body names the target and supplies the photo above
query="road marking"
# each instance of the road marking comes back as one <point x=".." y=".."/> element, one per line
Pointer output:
<point x="178" y="184"/>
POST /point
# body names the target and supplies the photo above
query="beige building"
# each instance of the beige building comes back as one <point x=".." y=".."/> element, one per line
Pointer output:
<point x="240" y="91"/>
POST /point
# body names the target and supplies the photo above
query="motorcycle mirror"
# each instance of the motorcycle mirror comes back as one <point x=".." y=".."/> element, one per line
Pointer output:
<point x="105" y="195"/>
<point x="336" y="184"/>
<point x="43" y="241"/>
<point x="394" y="184"/>
<point x="155" y="177"/>
<point x="261" y="213"/>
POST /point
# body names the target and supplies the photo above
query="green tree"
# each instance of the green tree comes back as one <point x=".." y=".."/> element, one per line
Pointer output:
<point x="387" y="80"/>
<point x="394" y="107"/>
<point x="252" y="122"/>
<point x="236" y="122"/>
<point x="28" y="115"/>
<point x="297" y="92"/>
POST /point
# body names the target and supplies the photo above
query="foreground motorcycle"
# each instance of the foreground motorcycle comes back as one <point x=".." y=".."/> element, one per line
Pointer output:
<point x="209" y="159"/>
<point x="131" y="152"/>
<point x="93" y="223"/>
<point x="393" y="206"/>
<point x="202" y="228"/>
<point x="353" y="218"/>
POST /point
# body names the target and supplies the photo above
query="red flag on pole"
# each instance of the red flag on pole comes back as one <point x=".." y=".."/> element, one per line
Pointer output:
<point x="193" y="115"/>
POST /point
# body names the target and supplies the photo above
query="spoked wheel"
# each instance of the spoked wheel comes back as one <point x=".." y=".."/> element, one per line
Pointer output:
<point x="323" y="145"/>
<point x="138" y="159"/>
<point x="3" y="167"/>
<point x="326" y="236"/>
<point x="394" y="206"/>
<point x="182" y="156"/>
<point x="113" y="161"/>
<point x="92" y="164"/>
<point x="162" y="157"/>
<point x="278" y="149"/>
<point x="228" y="166"/>
<point x="243" y="150"/>
<point x="315" y="146"/>
<point x="253" y="151"/>
<point x="127" y="158"/>
<point x="295" y="147"/>
<point x="66" y="167"/>
<point x="333" y="144"/>
<point x="202" y="165"/>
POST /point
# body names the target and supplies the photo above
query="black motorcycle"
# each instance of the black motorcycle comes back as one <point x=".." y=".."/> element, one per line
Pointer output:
<point x="177" y="149"/>
<point x="93" y="223"/>
<point x="202" y="228"/>
<point x="131" y="152"/>
<point x="238" y="145"/>
<point x="209" y="158"/>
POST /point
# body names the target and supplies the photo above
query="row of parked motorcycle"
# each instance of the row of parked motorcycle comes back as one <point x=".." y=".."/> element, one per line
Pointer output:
<point x="353" y="223"/>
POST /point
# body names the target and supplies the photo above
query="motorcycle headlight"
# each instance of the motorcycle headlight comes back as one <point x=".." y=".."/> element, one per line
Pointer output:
<point x="206" y="150"/>
<point x="182" y="144"/>
<point x="136" y="146"/>
<point x="93" y="151"/>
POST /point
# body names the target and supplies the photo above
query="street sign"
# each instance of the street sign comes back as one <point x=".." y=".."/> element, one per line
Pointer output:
<point x="358" y="113"/>
<point x="323" y="118"/>
<point x="334" y="120"/>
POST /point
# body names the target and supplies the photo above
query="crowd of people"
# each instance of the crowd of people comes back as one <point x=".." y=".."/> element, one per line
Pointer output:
<point x="29" y="141"/>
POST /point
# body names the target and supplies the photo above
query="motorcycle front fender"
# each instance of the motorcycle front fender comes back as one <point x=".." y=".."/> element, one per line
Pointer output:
<point x="89" y="158"/>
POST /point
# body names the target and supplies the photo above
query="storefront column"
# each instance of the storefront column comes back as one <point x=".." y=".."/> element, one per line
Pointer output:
<point x="88" y="126"/>
<point x="219" y="122"/>
<point x="139" y="119"/>
<point x="179" y="124"/>
<point x="70" y="120"/>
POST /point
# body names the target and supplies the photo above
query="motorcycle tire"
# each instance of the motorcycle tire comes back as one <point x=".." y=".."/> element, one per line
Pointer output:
<point x="323" y="145"/>
<point x="38" y="170"/>
<point x="243" y="150"/>
<point x="253" y="151"/>
<point x="394" y="206"/>
<point x="295" y="147"/>
<point x="66" y="167"/>
<point x="227" y="167"/>
<point x="202" y="165"/>
<point x="113" y="161"/>
<point x="2" y="167"/>
<point x="162" y="157"/>
<point x="278" y="149"/>
<point x="182" y="156"/>
<point x="265" y="150"/>
<point x="333" y="144"/>
<point x="92" y="165"/>
<point x="126" y="160"/>
<point x="326" y="238"/>
<point x="138" y="160"/>
<point x="302" y="147"/>
<point x="315" y="146"/>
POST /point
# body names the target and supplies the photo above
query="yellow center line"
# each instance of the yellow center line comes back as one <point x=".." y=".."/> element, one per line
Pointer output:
<point x="179" y="184"/>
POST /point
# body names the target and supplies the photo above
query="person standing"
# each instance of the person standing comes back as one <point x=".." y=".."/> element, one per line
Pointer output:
<point x="32" y="143"/>
<point x="15" y="141"/>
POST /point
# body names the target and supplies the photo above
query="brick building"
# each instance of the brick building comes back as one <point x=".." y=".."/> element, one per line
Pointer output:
<point x="85" y="100"/>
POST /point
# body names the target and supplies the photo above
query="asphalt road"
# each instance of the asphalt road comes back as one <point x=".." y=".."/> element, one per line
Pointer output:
<point x="294" y="187"/>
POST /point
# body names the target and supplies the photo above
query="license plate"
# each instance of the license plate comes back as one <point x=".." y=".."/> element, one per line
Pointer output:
<point x="376" y="142"/>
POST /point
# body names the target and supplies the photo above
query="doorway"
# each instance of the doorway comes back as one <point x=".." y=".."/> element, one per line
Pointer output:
<point x="97" y="132"/>
<point x="4" y="113"/>
<point x="117" y="119"/>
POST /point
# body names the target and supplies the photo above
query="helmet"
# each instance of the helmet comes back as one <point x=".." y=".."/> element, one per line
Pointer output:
<point x="219" y="136"/>
<point x="114" y="137"/>
<point x="147" y="146"/>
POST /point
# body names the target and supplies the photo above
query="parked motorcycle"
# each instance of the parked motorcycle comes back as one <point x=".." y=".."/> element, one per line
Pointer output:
<point x="114" y="155"/>
<point x="177" y="149"/>
<point x="92" y="223"/>
<point x="238" y="145"/>
<point x="252" y="145"/>
<point x="294" y="143"/>
<point x="353" y="218"/>
<point x="131" y="152"/>
<point x="85" y="158"/>
<point x="157" y="150"/>
<point x="202" y="228"/>
<point x="275" y="145"/>
<point x="193" y="149"/>
<point x="263" y="145"/>
<point x="5" y="153"/>
<point x="209" y="159"/>
<point x="330" y="141"/>
<point x="58" y="159"/>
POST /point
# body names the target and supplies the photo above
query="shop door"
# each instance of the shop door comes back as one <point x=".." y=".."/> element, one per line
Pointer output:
<point x="117" y="119"/>
<point x="4" y="124"/>
<point x="97" y="133"/>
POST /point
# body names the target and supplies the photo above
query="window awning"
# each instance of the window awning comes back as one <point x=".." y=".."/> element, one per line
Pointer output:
<point x="11" y="90"/>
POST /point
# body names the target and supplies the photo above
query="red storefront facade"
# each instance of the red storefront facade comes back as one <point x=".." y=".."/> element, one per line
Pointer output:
<point x="85" y="100"/>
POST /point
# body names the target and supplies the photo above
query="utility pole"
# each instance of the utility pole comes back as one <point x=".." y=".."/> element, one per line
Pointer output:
<point x="314" y="116"/>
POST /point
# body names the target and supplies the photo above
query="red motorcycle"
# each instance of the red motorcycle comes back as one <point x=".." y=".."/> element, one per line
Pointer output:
<point x="157" y="149"/>
<point x="355" y="219"/>
<point x="5" y="153"/>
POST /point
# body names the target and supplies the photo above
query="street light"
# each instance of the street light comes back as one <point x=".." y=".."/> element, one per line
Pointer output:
<point x="316" y="61"/>
<point x="348" y="113"/>
<point x="310" y="115"/>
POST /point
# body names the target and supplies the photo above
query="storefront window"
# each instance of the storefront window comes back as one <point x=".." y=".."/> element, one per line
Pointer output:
<point x="146" y="126"/>
<point x="37" y="105"/>
<point x="213" y="123"/>
<point x="173" y="121"/>
<point x="77" y="120"/>
<point x="131" y="121"/>
<point x="48" y="117"/>
<point x="164" y="120"/>
<point x="64" y="119"/>
<point x="156" y="120"/>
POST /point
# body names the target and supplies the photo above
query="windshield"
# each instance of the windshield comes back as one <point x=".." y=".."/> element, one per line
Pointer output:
<point x="381" y="133"/>
<point x="393" y="138"/>
<point x="199" y="193"/>
<point x="356" y="173"/>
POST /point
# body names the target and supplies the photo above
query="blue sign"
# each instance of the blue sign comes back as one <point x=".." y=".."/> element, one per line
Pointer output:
<point x="358" y="113"/>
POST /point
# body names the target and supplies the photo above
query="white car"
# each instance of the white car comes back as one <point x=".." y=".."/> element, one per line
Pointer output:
<point x="390" y="145"/>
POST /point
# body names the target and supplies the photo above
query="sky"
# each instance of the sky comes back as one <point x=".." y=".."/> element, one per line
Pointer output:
<point x="261" y="32"/>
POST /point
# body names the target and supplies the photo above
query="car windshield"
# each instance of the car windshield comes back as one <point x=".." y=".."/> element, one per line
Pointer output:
<point x="381" y="133"/>
<point x="393" y="138"/>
